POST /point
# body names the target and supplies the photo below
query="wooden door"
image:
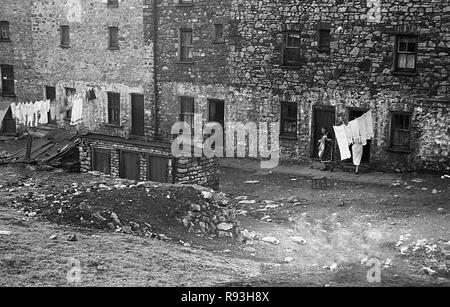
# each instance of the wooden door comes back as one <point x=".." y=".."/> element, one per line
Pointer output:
<point x="101" y="161"/>
<point x="158" y="169"/>
<point x="137" y="115"/>
<point x="323" y="117"/>
<point x="129" y="165"/>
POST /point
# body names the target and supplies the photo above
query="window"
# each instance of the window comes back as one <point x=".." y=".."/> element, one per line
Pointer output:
<point x="186" y="45"/>
<point x="114" y="109"/>
<point x="50" y="93"/>
<point x="7" y="77"/>
<point x="187" y="110"/>
<point x="400" y="130"/>
<point x="4" y="31"/>
<point x="65" y="36"/>
<point x="185" y="2"/>
<point x="101" y="160"/>
<point x="218" y="33"/>
<point x="406" y="53"/>
<point x="70" y="93"/>
<point x="113" y="37"/>
<point x="113" y="3"/>
<point x="292" y="48"/>
<point x="288" y="120"/>
<point x="324" y="40"/>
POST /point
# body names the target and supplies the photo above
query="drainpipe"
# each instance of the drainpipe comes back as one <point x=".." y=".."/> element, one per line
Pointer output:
<point x="155" y="68"/>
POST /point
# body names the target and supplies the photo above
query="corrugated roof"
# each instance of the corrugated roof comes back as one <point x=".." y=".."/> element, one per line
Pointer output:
<point x="50" y="147"/>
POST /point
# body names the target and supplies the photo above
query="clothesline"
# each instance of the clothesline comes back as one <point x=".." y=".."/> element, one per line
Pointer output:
<point x="357" y="132"/>
<point x="31" y="114"/>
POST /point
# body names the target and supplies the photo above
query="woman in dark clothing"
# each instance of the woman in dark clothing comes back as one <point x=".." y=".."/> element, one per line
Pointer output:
<point x="325" y="147"/>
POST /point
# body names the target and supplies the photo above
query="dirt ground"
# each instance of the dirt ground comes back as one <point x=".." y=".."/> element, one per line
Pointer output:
<point x="314" y="237"/>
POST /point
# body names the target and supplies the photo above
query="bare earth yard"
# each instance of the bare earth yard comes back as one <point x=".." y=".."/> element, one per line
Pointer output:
<point x="293" y="235"/>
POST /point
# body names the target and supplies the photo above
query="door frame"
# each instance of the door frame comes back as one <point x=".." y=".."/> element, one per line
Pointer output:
<point x="313" y="141"/>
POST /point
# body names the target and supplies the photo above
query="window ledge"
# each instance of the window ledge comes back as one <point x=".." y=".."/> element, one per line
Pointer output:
<point x="5" y="40"/>
<point x="9" y="95"/>
<point x="293" y="67"/>
<point x="186" y="62"/>
<point x="404" y="73"/>
<point x="113" y="48"/>
<point x="288" y="138"/>
<point x="185" y="4"/>
<point x="67" y="119"/>
<point x="324" y="49"/>
<point x="114" y="126"/>
<point x="64" y="46"/>
<point x="218" y="42"/>
<point x="398" y="150"/>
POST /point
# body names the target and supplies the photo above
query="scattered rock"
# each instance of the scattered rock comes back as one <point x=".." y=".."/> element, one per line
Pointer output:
<point x="418" y="180"/>
<point x="207" y="195"/>
<point x="72" y="238"/>
<point x="53" y="237"/>
<point x="247" y="202"/>
<point x="429" y="271"/>
<point x="299" y="240"/>
<point x="5" y="233"/>
<point x="271" y="240"/>
<point x="289" y="259"/>
<point x="252" y="182"/>
<point x="435" y="192"/>
<point x="333" y="267"/>
<point x="225" y="226"/>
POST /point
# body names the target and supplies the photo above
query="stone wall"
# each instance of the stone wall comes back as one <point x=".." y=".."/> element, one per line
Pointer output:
<point x="355" y="73"/>
<point x="114" y="147"/>
<point x="201" y="171"/>
<point x="17" y="51"/>
<point x="89" y="63"/>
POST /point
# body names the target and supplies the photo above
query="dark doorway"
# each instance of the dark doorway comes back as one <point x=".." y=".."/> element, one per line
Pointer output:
<point x="137" y="115"/>
<point x="130" y="165"/>
<point x="323" y="117"/>
<point x="50" y="94"/>
<point x="9" y="124"/>
<point x="216" y="111"/>
<point x="354" y="114"/>
<point x="158" y="169"/>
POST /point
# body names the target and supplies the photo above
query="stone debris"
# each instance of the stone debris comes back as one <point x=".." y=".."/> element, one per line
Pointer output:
<point x="247" y="235"/>
<point x="252" y="182"/>
<point x="333" y="267"/>
<point x="72" y="238"/>
<point x="429" y="271"/>
<point x="5" y="233"/>
<point x="271" y="240"/>
<point x="289" y="259"/>
<point x="418" y="180"/>
<point x="435" y="192"/>
<point x="299" y="240"/>
<point x="247" y="202"/>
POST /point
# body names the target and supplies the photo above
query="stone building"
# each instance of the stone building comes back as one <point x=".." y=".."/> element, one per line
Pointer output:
<point x="143" y="65"/>
<point x="313" y="64"/>
<point x="17" y="77"/>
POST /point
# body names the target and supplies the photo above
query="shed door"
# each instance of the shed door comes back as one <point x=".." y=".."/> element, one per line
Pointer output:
<point x="129" y="165"/>
<point x="158" y="169"/>
<point x="101" y="161"/>
<point x="137" y="115"/>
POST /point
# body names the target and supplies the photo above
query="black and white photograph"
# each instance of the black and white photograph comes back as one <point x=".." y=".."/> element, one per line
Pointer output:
<point x="225" y="149"/>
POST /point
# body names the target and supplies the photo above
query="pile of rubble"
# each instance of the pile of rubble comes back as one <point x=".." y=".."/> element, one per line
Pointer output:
<point x="213" y="216"/>
<point x="432" y="258"/>
<point x="140" y="208"/>
<point x="4" y="156"/>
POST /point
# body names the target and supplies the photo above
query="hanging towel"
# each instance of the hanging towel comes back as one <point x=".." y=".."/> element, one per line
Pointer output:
<point x="354" y="129"/>
<point x="77" y="110"/>
<point x="348" y="133"/>
<point x="358" y="150"/>
<point x="362" y="130"/>
<point x="368" y="119"/>
<point x="342" y="140"/>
